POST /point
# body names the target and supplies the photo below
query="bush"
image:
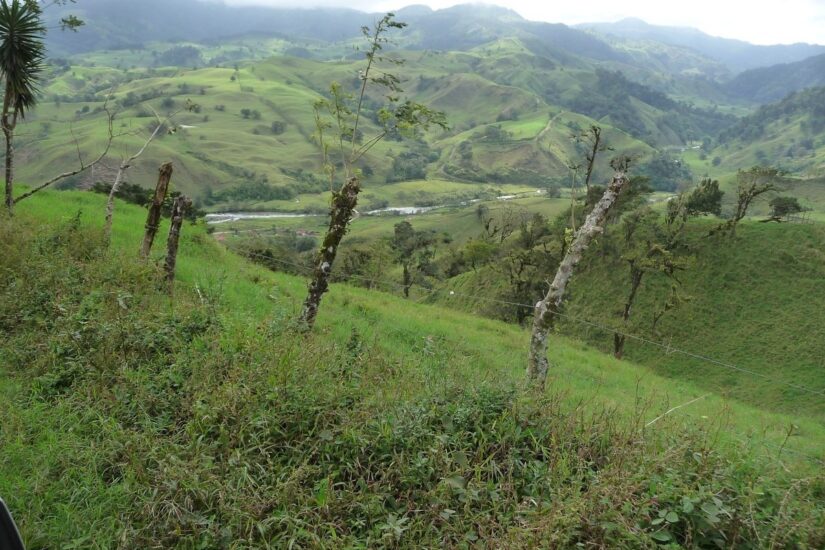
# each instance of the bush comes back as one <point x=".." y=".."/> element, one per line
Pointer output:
<point x="784" y="205"/>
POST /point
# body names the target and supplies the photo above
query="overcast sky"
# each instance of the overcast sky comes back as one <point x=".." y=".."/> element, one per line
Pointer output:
<point x="757" y="21"/>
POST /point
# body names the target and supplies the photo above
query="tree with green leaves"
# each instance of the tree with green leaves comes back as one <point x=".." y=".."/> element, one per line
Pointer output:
<point x="706" y="199"/>
<point x="652" y="247"/>
<point x="784" y="205"/>
<point x="22" y="51"/>
<point x="338" y="118"/>
<point x="751" y="184"/>
<point x="413" y="252"/>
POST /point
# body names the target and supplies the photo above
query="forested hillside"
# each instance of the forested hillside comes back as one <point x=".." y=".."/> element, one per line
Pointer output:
<point x="768" y="84"/>
<point x="790" y="133"/>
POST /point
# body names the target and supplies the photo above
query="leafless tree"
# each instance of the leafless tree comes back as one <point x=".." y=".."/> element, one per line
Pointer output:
<point x="83" y="165"/>
<point x="547" y="309"/>
<point x="592" y="140"/>
<point x="126" y="163"/>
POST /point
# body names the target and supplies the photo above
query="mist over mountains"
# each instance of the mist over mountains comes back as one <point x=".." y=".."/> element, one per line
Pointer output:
<point x="118" y="24"/>
<point x="737" y="55"/>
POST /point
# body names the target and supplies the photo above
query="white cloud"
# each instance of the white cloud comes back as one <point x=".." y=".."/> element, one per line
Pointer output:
<point x="760" y="22"/>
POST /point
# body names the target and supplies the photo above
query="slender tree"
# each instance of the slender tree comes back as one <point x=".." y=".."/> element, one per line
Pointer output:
<point x="412" y="251"/>
<point x="22" y="51"/>
<point x="547" y="309"/>
<point x="338" y="119"/>
<point x="651" y="248"/>
<point x="161" y="126"/>
<point x="751" y="184"/>
<point x="594" y="144"/>
<point x="21" y="61"/>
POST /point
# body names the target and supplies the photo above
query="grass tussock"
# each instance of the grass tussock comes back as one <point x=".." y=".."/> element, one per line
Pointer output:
<point x="136" y="421"/>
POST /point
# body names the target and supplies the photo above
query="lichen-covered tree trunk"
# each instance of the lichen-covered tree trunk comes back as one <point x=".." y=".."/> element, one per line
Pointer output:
<point x="153" y="217"/>
<point x="547" y="309"/>
<point x="343" y="206"/>
<point x="179" y="208"/>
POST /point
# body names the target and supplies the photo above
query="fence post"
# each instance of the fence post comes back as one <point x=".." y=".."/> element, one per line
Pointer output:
<point x="153" y="217"/>
<point x="179" y="208"/>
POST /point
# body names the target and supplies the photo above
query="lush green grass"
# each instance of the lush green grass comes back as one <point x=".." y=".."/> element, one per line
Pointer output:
<point x="749" y="301"/>
<point x="752" y="303"/>
<point x="207" y="420"/>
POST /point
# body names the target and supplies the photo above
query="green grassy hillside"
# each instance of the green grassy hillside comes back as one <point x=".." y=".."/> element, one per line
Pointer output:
<point x="751" y="302"/>
<point x="786" y="134"/>
<point x="512" y="112"/>
<point x="207" y="420"/>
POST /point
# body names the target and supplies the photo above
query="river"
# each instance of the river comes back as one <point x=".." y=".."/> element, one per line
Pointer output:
<point x="224" y="217"/>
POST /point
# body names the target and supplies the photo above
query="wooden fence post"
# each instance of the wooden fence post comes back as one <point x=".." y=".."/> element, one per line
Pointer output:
<point x="179" y="208"/>
<point x="153" y="217"/>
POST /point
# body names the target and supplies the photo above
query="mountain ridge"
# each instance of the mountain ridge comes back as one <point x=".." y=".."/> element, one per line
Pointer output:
<point x="122" y="24"/>
<point x="738" y="55"/>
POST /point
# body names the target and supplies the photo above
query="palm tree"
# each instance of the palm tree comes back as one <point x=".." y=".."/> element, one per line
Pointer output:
<point x="21" y="60"/>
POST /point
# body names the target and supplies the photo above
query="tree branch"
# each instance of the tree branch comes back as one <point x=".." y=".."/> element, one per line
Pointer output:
<point x="83" y="167"/>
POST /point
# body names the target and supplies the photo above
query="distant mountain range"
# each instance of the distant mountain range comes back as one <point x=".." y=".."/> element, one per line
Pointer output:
<point x="737" y="55"/>
<point x="768" y="84"/>
<point x="114" y="24"/>
<point x="515" y="90"/>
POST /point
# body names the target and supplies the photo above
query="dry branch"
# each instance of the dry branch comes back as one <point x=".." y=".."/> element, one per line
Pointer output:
<point x="548" y="308"/>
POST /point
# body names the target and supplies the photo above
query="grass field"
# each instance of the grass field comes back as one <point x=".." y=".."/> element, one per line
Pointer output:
<point x="204" y="264"/>
<point x="230" y="438"/>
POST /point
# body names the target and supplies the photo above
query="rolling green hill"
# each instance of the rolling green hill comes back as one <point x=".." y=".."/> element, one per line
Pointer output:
<point x="788" y="134"/>
<point x="514" y="92"/>
<point x="200" y="414"/>
<point x="751" y="302"/>
<point x="513" y="111"/>
<point x="768" y="84"/>
<point x="206" y="420"/>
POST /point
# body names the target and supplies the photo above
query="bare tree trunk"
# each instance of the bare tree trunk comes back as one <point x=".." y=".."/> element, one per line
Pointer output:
<point x="635" y="281"/>
<point x="8" y="121"/>
<point x="7" y="132"/>
<point x="343" y="205"/>
<point x="547" y="309"/>
<point x="179" y="208"/>
<point x="591" y="158"/>
<point x="407" y="281"/>
<point x="121" y="171"/>
<point x="153" y="217"/>
<point x="110" y="202"/>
